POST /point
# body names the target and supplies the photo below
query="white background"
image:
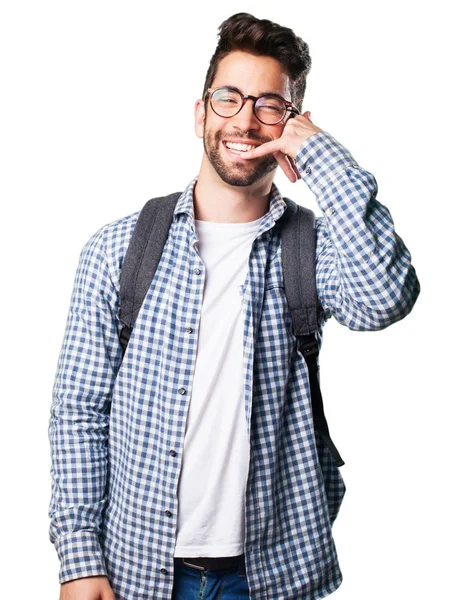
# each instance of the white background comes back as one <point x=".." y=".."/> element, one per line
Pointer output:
<point x="97" y="117"/>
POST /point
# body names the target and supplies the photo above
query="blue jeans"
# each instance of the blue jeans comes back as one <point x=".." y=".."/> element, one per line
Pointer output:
<point x="225" y="584"/>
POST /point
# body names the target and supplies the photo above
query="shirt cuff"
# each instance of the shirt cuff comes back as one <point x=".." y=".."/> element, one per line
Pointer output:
<point x="320" y="159"/>
<point x="80" y="555"/>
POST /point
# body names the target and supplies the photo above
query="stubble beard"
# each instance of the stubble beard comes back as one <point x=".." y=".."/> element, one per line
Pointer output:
<point x="238" y="173"/>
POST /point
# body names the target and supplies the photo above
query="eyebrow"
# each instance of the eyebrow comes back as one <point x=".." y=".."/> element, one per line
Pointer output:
<point x="233" y="87"/>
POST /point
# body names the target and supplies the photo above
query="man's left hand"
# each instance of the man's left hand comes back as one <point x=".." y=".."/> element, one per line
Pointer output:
<point x="286" y="147"/>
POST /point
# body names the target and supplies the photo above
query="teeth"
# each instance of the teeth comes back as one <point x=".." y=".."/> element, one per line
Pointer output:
<point x="241" y="147"/>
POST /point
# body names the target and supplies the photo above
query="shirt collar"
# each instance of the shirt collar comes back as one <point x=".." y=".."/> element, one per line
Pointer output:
<point x="276" y="208"/>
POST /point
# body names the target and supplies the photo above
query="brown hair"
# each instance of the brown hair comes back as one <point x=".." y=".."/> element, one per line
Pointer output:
<point x="262" y="37"/>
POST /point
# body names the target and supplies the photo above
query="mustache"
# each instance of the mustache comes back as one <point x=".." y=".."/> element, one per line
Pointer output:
<point x="244" y="136"/>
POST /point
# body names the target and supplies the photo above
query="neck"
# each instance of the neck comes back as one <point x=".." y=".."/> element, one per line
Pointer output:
<point x="217" y="201"/>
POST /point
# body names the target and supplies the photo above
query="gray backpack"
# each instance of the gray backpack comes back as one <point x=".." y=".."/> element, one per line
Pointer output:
<point x="298" y="238"/>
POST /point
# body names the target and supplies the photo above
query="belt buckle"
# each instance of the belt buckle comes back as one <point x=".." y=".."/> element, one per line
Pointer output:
<point x="193" y="566"/>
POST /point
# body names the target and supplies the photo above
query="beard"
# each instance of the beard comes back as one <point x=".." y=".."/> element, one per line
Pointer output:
<point x="237" y="173"/>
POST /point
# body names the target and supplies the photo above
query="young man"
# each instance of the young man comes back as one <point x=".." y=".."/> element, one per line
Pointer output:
<point x="190" y="468"/>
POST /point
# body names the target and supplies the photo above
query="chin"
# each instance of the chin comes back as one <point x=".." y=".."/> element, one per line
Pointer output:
<point x="234" y="171"/>
<point x="241" y="174"/>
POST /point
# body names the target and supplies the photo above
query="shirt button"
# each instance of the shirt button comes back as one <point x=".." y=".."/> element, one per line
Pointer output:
<point x="164" y="571"/>
<point x="168" y="513"/>
<point x="308" y="171"/>
<point x="173" y="453"/>
<point x="197" y="271"/>
<point x="330" y="210"/>
<point x="355" y="166"/>
<point x="189" y="330"/>
<point x="181" y="391"/>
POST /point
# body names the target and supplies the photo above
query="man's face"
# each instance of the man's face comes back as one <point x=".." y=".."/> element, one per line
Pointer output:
<point x="251" y="75"/>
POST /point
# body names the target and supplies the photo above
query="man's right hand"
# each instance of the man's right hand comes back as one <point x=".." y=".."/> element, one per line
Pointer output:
<point x="87" y="588"/>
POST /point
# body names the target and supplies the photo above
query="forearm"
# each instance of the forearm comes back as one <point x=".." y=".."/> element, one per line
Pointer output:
<point x="364" y="273"/>
<point x="79" y="419"/>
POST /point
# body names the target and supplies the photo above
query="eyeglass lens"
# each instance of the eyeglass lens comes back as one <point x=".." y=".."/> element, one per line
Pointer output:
<point x="268" y="109"/>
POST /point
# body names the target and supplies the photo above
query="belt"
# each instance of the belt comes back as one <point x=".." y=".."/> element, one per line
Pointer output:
<point x="211" y="564"/>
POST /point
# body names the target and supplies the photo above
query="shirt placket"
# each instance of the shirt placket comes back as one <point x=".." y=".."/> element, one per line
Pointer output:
<point x="187" y="340"/>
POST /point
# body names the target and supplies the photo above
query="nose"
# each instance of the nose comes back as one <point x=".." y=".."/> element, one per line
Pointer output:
<point x="246" y="119"/>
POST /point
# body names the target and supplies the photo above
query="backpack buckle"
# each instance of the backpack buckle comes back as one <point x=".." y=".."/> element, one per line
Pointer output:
<point x="308" y="344"/>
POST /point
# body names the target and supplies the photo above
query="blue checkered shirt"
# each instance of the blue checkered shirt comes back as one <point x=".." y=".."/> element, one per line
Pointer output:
<point x="117" y="427"/>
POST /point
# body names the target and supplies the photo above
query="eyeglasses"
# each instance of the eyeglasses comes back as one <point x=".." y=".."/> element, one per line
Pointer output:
<point x="269" y="109"/>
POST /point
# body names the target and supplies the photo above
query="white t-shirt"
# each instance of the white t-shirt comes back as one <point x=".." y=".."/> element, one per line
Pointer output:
<point x="215" y="461"/>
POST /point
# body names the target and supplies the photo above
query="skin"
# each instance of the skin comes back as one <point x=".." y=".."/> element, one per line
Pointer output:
<point x="87" y="588"/>
<point x="236" y="188"/>
<point x="232" y="188"/>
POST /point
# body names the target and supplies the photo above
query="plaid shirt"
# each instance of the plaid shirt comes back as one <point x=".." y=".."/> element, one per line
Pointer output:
<point x="117" y="428"/>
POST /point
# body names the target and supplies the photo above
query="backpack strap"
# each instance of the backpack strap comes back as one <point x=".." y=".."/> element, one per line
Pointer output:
<point x="298" y="251"/>
<point x="142" y="258"/>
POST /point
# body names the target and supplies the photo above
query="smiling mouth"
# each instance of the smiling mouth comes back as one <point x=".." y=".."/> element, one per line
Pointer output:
<point x="237" y="148"/>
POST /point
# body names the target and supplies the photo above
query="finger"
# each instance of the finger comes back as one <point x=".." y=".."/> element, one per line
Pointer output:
<point x="263" y="149"/>
<point x="285" y="165"/>
<point x="293" y="165"/>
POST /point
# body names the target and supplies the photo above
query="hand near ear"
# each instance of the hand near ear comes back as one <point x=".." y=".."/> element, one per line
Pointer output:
<point x="286" y="147"/>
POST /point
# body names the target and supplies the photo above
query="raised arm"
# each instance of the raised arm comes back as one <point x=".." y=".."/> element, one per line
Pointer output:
<point x="364" y="274"/>
<point x="79" y="419"/>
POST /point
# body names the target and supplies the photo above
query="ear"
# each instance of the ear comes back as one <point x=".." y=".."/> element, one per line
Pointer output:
<point x="199" y="117"/>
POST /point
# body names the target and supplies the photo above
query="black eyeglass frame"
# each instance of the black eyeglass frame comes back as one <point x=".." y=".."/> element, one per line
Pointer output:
<point x="288" y="106"/>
